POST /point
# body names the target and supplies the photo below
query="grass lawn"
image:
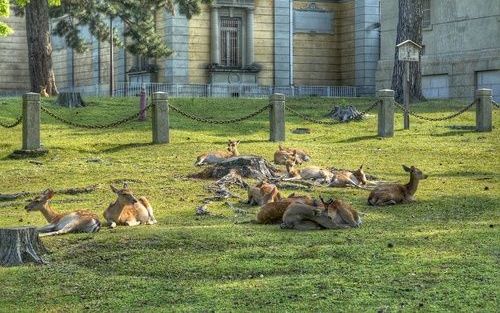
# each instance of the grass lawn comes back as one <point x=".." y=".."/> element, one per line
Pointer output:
<point x="438" y="254"/>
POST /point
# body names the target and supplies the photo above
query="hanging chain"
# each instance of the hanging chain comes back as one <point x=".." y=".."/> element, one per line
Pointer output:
<point x="209" y="121"/>
<point x="310" y="119"/>
<point x="461" y="111"/>
<point x="495" y="104"/>
<point x="16" y="122"/>
<point x="88" y="126"/>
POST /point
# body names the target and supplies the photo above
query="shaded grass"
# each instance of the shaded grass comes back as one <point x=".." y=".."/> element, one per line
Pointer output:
<point x="438" y="254"/>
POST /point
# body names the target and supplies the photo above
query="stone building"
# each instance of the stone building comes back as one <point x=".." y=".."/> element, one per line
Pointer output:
<point x="461" y="47"/>
<point x="261" y="42"/>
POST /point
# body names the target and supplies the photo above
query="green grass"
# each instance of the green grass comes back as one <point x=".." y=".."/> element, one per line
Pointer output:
<point x="438" y="254"/>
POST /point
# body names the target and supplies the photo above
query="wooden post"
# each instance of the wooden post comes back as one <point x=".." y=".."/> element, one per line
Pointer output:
<point x="31" y="121"/>
<point x="142" y="103"/>
<point x="483" y="110"/>
<point x="277" y="117"/>
<point x="386" y="113"/>
<point x="19" y="245"/>
<point x="406" y="96"/>
<point x="160" y="118"/>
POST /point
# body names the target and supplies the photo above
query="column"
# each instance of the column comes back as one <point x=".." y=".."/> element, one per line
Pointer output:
<point x="250" y="50"/>
<point x="215" y="35"/>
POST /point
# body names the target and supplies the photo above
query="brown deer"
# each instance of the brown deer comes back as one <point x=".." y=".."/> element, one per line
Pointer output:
<point x="344" y="178"/>
<point x="387" y="194"/>
<point x="316" y="173"/>
<point x="263" y="193"/>
<point x="334" y="215"/>
<point x="281" y="156"/>
<point x="219" y="156"/>
<point x="128" y="210"/>
<point x="73" y="222"/>
<point x="272" y="213"/>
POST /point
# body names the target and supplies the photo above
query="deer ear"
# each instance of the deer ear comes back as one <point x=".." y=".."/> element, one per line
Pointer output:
<point x="113" y="188"/>
<point x="361" y="167"/>
<point x="238" y="142"/>
<point x="49" y="193"/>
<point x="406" y="168"/>
<point x="280" y="147"/>
<point x="125" y="185"/>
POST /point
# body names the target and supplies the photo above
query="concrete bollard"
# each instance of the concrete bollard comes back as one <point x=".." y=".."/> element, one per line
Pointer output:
<point x="160" y="118"/>
<point x="483" y="110"/>
<point x="277" y="117"/>
<point x="31" y="121"/>
<point x="386" y="113"/>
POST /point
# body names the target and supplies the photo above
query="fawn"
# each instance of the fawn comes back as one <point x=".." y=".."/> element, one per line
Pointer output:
<point x="219" y="156"/>
<point x="73" y="222"/>
<point x="272" y="213"/>
<point x="396" y="193"/>
<point x="320" y="175"/>
<point x="348" y="178"/>
<point x="281" y="156"/>
<point x="263" y="193"/>
<point x="128" y="210"/>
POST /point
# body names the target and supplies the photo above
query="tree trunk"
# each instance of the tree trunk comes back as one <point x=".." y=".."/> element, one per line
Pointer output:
<point x="409" y="27"/>
<point x="70" y="100"/>
<point x="39" y="48"/>
<point x="19" y="245"/>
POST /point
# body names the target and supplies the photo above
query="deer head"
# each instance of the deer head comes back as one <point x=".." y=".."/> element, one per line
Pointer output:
<point x="39" y="202"/>
<point x="415" y="172"/>
<point x="360" y="175"/>
<point x="125" y="196"/>
<point x="232" y="145"/>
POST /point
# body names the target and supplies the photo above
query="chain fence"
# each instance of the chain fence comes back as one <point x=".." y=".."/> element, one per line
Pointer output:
<point x="101" y="126"/>
<point x="461" y="111"/>
<point x="14" y="124"/>
<point x="210" y="121"/>
<point x="333" y="122"/>
<point x="495" y="104"/>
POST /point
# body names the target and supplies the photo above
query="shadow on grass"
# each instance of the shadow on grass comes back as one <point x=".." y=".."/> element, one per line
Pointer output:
<point x="359" y="138"/>
<point x="126" y="147"/>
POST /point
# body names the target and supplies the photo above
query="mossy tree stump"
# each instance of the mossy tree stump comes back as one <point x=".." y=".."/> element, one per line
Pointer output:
<point x="19" y="245"/>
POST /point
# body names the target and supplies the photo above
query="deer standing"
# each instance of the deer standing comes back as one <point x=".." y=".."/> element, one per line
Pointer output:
<point x="219" y="156"/>
<point x="263" y="193"/>
<point x="73" y="222"/>
<point x="128" y="210"/>
<point x="348" y="178"/>
<point x="396" y="193"/>
<point x="282" y="155"/>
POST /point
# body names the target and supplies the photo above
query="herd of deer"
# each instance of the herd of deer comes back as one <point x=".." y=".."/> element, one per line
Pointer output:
<point x="300" y="212"/>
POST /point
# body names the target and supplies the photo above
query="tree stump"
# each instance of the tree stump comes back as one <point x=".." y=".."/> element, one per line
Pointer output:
<point x="344" y="114"/>
<point x="70" y="100"/>
<point x="19" y="245"/>
<point x="248" y="166"/>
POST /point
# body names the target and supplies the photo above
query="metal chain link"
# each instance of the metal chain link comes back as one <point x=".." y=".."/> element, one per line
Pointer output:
<point x="110" y="125"/>
<point x="205" y="120"/>
<point x="310" y="119"/>
<point x="495" y="104"/>
<point x="461" y="111"/>
<point x="17" y="122"/>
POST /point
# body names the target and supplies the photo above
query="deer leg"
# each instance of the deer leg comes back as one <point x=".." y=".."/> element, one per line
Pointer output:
<point x="46" y="228"/>
<point x="66" y="229"/>
<point x="132" y="223"/>
<point x="149" y="208"/>
<point x="307" y="225"/>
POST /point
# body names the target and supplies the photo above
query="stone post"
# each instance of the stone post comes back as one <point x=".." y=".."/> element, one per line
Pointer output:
<point x="31" y="121"/>
<point x="483" y="110"/>
<point x="277" y="117"/>
<point x="215" y="40"/>
<point x="160" y="118"/>
<point x="386" y="113"/>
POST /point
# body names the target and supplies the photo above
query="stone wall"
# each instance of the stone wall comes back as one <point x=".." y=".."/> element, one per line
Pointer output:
<point x="461" y="42"/>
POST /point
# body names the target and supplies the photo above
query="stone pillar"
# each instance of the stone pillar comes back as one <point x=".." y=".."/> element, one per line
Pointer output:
<point x="250" y="50"/>
<point x="277" y="117"/>
<point x="31" y="121"/>
<point x="215" y="35"/>
<point x="282" y="43"/>
<point x="483" y="110"/>
<point x="160" y="118"/>
<point x="386" y="113"/>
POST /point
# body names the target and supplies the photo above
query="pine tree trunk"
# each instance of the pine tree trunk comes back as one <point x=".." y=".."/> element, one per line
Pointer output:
<point x="19" y="245"/>
<point x="409" y="27"/>
<point x="39" y="48"/>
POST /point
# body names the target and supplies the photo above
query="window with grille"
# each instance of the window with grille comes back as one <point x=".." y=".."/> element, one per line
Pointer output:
<point x="426" y="13"/>
<point x="230" y="41"/>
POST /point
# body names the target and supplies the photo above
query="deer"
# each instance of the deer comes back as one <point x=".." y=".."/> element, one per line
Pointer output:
<point x="62" y="223"/>
<point x="219" y="156"/>
<point x="345" y="178"/>
<point x="272" y="213"/>
<point x="388" y="194"/>
<point x="263" y="193"/>
<point x="128" y="210"/>
<point x="334" y="214"/>
<point x="281" y="156"/>
<point x="320" y="175"/>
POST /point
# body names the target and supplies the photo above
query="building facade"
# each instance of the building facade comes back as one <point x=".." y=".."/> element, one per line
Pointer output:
<point x="461" y="47"/>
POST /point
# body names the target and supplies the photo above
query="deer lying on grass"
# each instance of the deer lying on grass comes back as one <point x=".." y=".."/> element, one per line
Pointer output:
<point x="263" y="193"/>
<point x="316" y="173"/>
<point x="348" y="178"/>
<point x="334" y="215"/>
<point x="396" y="193"/>
<point x="77" y="221"/>
<point x="282" y="155"/>
<point x="272" y="213"/>
<point x="128" y="210"/>
<point x="219" y="156"/>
